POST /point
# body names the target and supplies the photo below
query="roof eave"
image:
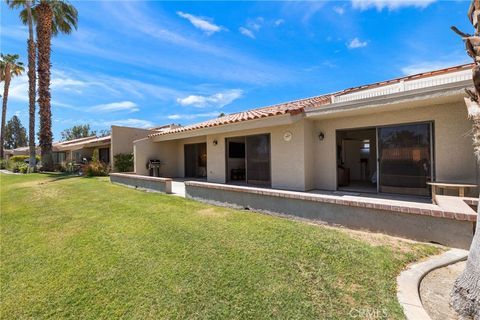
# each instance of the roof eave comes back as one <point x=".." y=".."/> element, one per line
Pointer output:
<point x="271" y="121"/>
<point x="449" y="89"/>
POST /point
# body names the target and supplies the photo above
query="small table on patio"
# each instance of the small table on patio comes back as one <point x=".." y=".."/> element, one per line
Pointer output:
<point x="447" y="185"/>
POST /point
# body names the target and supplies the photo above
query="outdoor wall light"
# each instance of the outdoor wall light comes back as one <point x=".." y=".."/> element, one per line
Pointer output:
<point x="215" y="142"/>
<point x="321" y="136"/>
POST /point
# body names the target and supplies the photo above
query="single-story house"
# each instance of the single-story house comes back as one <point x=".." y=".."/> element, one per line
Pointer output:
<point x="81" y="150"/>
<point x="388" y="137"/>
<point x="119" y="141"/>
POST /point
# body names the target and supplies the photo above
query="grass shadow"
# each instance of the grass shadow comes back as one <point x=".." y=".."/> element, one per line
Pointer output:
<point x="59" y="176"/>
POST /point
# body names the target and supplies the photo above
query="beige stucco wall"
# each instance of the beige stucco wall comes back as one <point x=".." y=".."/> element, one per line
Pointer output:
<point x="145" y="149"/>
<point x="287" y="158"/>
<point x="122" y="140"/>
<point x="181" y="153"/>
<point x="306" y="163"/>
<point x="454" y="160"/>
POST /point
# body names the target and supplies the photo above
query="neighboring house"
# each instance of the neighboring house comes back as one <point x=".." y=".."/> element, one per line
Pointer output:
<point x="22" y="151"/>
<point x="7" y="153"/>
<point x="119" y="141"/>
<point x="387" y="137"/>
<point x="81" y="150"/>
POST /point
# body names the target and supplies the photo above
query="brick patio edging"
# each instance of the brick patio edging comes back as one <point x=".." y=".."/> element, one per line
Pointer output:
<point x="367" y="203"/>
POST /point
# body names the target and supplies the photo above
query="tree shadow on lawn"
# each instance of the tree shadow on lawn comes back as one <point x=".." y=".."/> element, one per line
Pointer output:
<point x="60" y="176"/>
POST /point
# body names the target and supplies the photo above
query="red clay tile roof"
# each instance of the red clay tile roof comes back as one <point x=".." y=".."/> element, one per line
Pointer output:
<point x="298" y="106"/>
<point x="293" y="107"/>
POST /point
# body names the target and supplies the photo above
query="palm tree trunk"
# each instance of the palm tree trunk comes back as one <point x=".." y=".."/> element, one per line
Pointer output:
<point x="466" y="289"/>
<point x="4" y="108"/>
<point x="44" y="36"/>
<point x="31" y="87"/>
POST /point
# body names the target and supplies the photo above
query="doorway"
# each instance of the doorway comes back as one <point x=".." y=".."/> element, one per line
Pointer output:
<point x="395" y="159"/>
<point x="248" y="160"/>
<point x="357" y="160"/>
<point x="195" y="160"/>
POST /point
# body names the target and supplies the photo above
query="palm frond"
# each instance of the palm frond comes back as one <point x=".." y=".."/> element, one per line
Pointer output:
<point x="65" y="15"/>
<point x="16" y="67"/>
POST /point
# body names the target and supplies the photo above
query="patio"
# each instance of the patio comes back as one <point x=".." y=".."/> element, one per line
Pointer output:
<point x="449" y="222"/>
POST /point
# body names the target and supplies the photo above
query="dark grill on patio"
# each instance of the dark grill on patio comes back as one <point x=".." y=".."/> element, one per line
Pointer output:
<point x="153" y="167"/>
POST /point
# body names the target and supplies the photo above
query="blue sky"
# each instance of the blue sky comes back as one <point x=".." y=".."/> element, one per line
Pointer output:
<point x="150" y="63"/>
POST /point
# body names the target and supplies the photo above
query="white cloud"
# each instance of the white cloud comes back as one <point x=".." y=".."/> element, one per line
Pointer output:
<point x="339" y="10"/>
<point x="246" y="32"/>
<point x="356" y="43"/>
<point x="191" y="116"/>
<point x="254" y="25"/>
<point x="201" y="23"/>
<point x="116" y="106"/>
<point x="18" y="88"/>
<point x="430" y="65"/>
<point x="217" y="100"/>
<point x="136" y="123"/>
<point x="278" y="22"/>
<point x="390" y="4"/>
<point x="15" y="32"/>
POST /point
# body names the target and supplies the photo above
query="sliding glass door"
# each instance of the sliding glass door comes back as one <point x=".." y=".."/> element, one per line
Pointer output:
<point x="258" y="159"/>
<point x="248" y="159"/>
<point x="195" y="160"/>
<point x="405" y="158"/>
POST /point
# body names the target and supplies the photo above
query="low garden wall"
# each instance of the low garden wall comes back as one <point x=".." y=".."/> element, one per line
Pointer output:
<point x="144" y="182"/>
<point x="417" y="221"/>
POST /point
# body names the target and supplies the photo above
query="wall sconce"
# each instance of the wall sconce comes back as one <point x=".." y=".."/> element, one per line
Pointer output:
<point x="321" y="136"/>
<point x="215" y="142"/>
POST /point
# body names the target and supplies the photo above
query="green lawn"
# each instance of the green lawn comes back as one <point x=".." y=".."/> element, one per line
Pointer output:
<point x="74" y="247"/>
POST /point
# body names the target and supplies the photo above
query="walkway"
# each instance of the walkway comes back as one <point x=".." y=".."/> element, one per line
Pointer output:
<point x="178" y="188"/>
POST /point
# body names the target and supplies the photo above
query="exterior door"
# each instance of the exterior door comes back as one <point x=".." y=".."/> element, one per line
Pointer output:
<point x="104" y="155"/>
<point x="195" y="160"/>
<point x="405" y="158"/>
<point x="258" y="159"/>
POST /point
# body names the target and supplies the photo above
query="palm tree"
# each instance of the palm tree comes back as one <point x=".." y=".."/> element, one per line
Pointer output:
<point x="466" y="289"/>
<point x="9" y="67"/>
<point x="32" y="77"/>
<point x="51" y="17"/>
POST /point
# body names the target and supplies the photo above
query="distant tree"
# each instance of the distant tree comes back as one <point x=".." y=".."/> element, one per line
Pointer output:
<point x="221" y="115"/>
<point x="76" y="132"/>
<point x="15" y="134"/>
<point x="9" y="67"/>
<point x="103" y="133"/>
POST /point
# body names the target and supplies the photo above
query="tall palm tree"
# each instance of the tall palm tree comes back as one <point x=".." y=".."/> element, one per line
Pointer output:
<point x="32" y="77"/>
<point x="51" y="17"/>
<point x="9" y="67"/>
<point x="465" y="296"/>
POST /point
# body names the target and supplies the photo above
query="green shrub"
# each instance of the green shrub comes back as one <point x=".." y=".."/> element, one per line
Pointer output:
<point x="22" y="158"/>
<point x="3" y="164"/>
<point x="96" y="168"/>
<point x="95" y="155"/>
<point x="123" y="162"/>
<point x="60" y="167"/>
<point x="20" y="167"/>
